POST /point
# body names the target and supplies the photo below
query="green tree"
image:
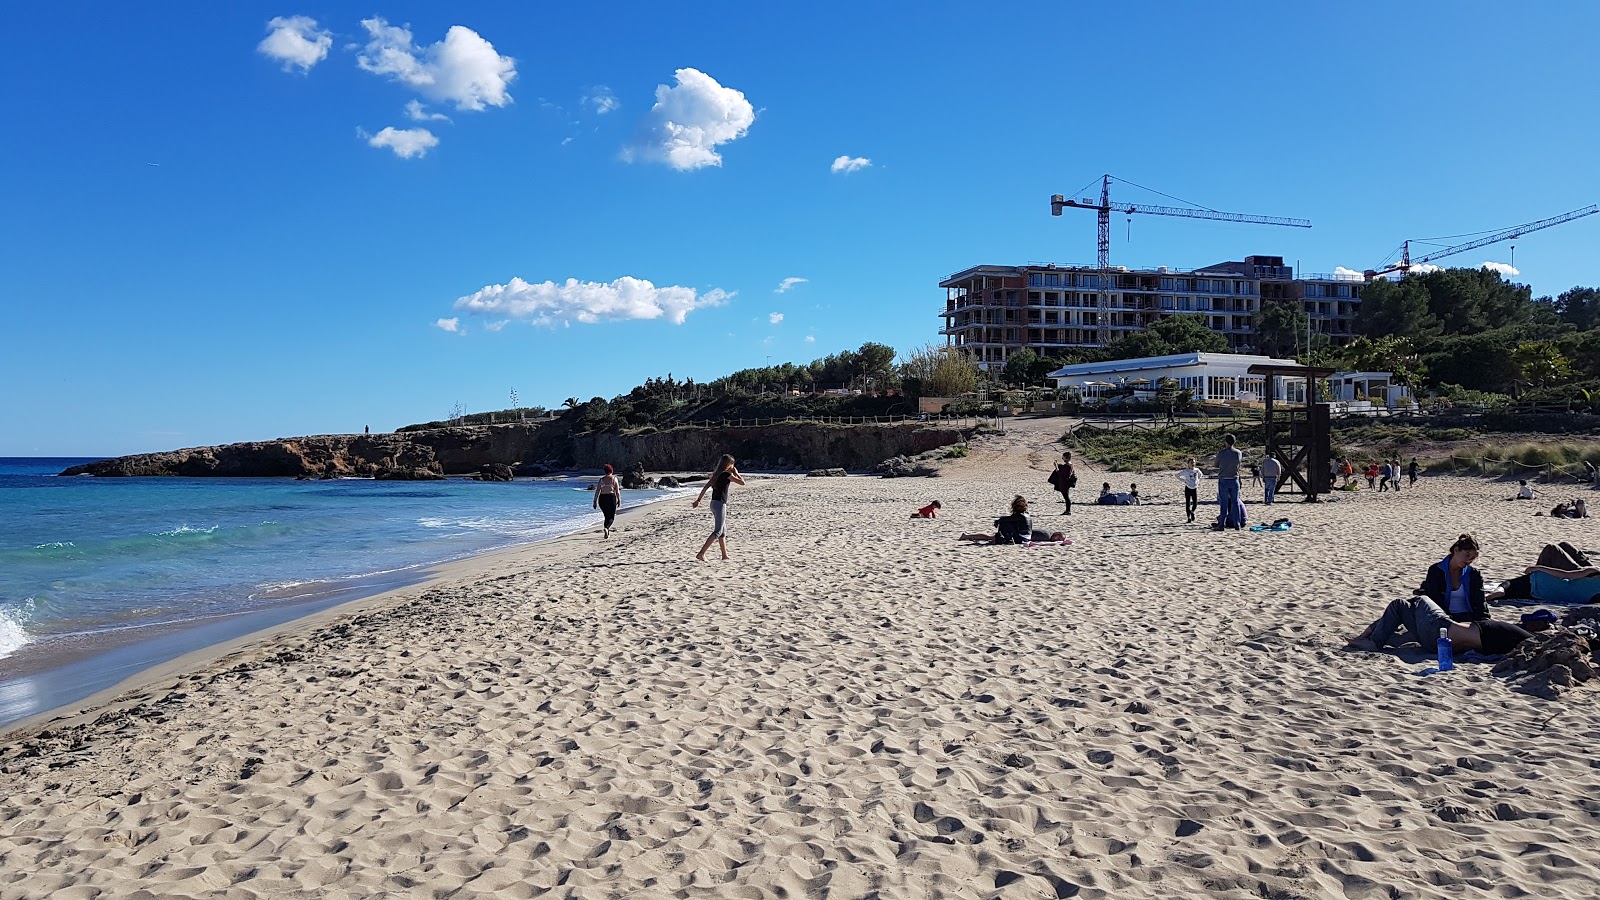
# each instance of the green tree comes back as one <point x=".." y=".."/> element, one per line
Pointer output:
<point x="1280" y="328"/>
<point x="1579" y="307"/>
<point x="1020" y="366"/>
<point x="874" y="360"/>
<point x="953" y="373"/>
<point x="1540" y="363"/>
<point x="1398" y="308"/>
<point x="1188" y="334"/>
<point x="1395" y="355"/>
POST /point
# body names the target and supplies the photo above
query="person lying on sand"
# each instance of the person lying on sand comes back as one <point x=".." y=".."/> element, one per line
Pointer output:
<point x="1016" y="528"/>
<point x="1419" y="620"/>
<point x="1561" y="574"/>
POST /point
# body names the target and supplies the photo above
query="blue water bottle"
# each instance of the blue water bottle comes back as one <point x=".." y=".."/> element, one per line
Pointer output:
<point x="1447" y="657"/>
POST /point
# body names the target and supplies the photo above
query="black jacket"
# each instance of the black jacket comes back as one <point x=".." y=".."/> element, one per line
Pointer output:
<point x="1437" y="585"/>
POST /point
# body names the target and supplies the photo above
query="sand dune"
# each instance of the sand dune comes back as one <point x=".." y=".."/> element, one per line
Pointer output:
<point x="855" y="706"/>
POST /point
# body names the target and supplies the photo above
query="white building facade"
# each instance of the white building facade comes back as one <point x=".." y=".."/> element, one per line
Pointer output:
<point x="1214" y="377"/>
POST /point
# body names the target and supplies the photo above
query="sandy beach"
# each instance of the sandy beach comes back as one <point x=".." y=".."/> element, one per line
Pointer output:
<point x="857" y="705"/>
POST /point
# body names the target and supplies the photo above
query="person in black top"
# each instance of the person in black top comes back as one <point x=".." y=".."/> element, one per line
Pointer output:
<point x="724" y="475"/>
<point x="1016" y="528"/>
<point x="1064" y="478"/>
<point x="1454" y="585"/>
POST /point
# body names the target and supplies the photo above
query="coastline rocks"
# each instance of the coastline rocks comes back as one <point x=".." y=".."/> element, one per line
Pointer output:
<point x="534" y="470"/>
<point x="494" y="472"/>
<point x="827" y="473"/>
<point x="634" y="479"/>
<point x="416" y="473"/>
<point x="905" y="467"/>
<point x="667" y="481"/>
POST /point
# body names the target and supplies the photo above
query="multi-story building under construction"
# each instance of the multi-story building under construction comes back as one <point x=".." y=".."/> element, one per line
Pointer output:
<point x="991" y="312"/>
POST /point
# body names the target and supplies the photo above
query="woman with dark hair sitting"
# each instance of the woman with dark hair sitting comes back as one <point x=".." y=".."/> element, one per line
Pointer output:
<point x="1016" y="528"/>
<point x="1454" y="585"/>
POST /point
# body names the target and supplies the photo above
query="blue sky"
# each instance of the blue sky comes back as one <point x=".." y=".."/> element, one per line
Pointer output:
<point x="209" y="236"/>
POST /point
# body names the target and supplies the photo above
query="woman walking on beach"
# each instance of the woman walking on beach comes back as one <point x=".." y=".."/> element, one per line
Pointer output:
<point x="724" y="475"/>
<point x="1191" y="488"/>
<point x="1064" y="478"/>
<point x="607" y="494"/>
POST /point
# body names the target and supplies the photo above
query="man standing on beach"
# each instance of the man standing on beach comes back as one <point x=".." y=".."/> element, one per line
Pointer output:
<point x="1271" y="471"/>
<point x="1228" y="484"/>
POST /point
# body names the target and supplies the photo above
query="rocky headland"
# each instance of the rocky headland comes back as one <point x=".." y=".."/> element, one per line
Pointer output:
<point x="482" y="450"/>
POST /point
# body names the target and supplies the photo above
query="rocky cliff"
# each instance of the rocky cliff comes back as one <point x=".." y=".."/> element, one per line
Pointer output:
<point x="469" y="449"/>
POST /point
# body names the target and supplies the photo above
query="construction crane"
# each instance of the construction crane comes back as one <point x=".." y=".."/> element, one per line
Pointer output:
<point x="1509" y="234"/>
<point x="1103" y="211"/>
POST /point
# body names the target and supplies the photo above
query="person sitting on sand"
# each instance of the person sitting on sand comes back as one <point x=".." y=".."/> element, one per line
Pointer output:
<point x="1419" y="620"/>
<point x="1454" y="585"/>
<point x="1133" y="493"/>
<point x="1524" y="491"/>
<point x="1105" y="492"/>
<point x="1016" y="528"/>
<point x="928" y="512"/>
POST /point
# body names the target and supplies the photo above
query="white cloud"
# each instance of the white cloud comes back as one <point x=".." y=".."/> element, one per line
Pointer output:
<point x="1425" y="268"/>
<point x="600" y="99"/>
<point x="296" y="41"/>
<point x="463" y="69"/>
<point x="788" y="284"/>
<point x="689" y="121"/>
<point x="1502" y="268"/>
<point x="496" y="325"/>
<point x="811" y="339"/>
<point x="405" y="142"/>
<point x="589" y="302"/>
<point x="451" y="325"/>
<point x="774" y="318"/>
<point x="416" y="112"/>
<point x="848" y="164"/>
<point x="1341" y="270"/>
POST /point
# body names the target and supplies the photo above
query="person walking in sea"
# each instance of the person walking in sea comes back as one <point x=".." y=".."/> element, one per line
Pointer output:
<point x="724" y="476"/>
<point x="1064" y="478"/>
<point x="1228" y="459"/>
<point x="607" y="495"/>
<point x="1191" y="488"/>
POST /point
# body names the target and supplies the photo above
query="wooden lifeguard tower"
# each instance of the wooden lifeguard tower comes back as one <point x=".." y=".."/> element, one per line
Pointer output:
<point x="1299" y="437"/>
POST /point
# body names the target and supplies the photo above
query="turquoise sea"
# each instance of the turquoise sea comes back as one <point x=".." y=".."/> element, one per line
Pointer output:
<point x="103" y="577"/>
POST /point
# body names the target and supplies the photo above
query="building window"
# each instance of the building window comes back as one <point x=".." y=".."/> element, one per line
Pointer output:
<point x="1166" y="284"/>
<point x="1203" y="285"/>
<point x="1168" y="303"/>
<point x="1033" y="297"/>
<point x="1052" y="281"/>
<point x="1035" y="281"/>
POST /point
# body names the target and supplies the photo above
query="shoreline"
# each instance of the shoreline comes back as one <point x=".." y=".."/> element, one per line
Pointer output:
<point x="157" y="659"/>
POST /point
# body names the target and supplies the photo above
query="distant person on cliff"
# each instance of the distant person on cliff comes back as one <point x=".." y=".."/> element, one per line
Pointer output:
<point x="607" y="494"/>
<point x="1064" y="478"/>
<point x="721" y="478"/>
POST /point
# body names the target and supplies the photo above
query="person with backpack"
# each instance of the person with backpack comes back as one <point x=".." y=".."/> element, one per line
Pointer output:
<point x="1064" y="478"/>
